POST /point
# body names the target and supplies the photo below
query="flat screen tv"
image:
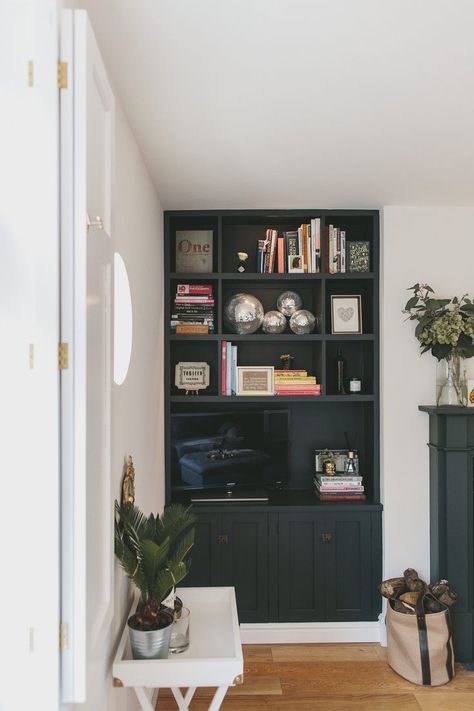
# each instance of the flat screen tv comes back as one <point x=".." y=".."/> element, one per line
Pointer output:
<point x="241" y="449"/>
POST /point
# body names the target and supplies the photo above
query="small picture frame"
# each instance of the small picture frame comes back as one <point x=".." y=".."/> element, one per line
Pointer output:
<point x="191" y="376"/>
<point x="255" y="380"/>
<point x="346" y="314"/>
<point x="295" y="264"/>
<point x="358" y="256"/>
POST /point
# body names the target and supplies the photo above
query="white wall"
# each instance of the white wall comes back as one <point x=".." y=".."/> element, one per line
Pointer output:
<point x="433" y="245"/>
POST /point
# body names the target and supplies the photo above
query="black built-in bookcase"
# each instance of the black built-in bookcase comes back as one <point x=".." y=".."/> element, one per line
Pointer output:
<point x="315" y="421"/>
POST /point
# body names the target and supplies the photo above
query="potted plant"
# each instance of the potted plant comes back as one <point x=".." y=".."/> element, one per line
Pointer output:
<point x="446" y="328"/>
<point x="153" y="552"/>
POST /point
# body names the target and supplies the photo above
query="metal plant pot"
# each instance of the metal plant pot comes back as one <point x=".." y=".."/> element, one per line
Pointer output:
<point x="152" y="644"/>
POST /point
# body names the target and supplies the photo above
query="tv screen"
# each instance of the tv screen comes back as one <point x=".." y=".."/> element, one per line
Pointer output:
<point x="213" y="450"/>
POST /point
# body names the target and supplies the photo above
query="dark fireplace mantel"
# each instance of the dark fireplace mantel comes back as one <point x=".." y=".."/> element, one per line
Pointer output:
<point x="451" y="443"/>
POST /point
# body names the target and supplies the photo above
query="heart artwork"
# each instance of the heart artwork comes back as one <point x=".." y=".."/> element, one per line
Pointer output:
<point x="345" y="314"/>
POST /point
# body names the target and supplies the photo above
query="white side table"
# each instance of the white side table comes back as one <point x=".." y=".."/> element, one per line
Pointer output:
<point x="214" y="656"/>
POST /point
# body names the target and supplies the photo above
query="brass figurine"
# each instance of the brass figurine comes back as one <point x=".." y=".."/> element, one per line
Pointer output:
<point x="128" y="484"/>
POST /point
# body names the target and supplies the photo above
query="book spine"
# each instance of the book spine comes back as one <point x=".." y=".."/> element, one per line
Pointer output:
<point x="234" y="371"/>
<point x="304" y="239"/>
<point x="335" y="497"/>
<point x="338" y="478"/>
<point x="193" y="289"/>
<point x="266" y="262"/>
<point x="295" y="393"/>
<point x="192" y="328"/>
<point x="228" y="368"/>
<point x="223" y="366"/>
<point x="343" y="251"/>
<point x="193" y="300"/>
<point x="281" y="247"/>
<point x="317" y="244"/>
<point x="273" y="248"/>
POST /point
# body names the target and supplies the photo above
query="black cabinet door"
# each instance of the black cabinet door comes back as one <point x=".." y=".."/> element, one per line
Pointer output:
<point x="346" y="540"/>
<point x="300" y="568"/>
<point x="205" y="565"/>
<point x="244" y="562"/>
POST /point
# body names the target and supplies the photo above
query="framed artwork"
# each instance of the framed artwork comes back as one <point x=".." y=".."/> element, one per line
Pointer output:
<point x="194" y="250"/>
<point x="255" y="380"/>
<point x="346" y="313"/>
<point x="295" y="264"/>
<point x="358" y="256"/>
<point x="191" y="377"/>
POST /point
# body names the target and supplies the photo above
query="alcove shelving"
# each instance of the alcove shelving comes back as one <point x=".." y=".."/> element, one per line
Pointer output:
<point x="292" y="558"/>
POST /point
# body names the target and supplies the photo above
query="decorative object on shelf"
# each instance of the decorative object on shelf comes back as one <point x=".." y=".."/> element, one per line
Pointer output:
<point x="273" y="322"/>
<point x="194" y="251"/>
<point x="329" y="467"/>
<point x="446" y="328"/>
<point x="128" y="483"/>
<point x="243" y="256"/>
<point x="302" y="321"/>
<point x="470" y="393"/>
<point x="158" y="544"/>
<point x="288" y="302"/>
<point x="349" y="465"/>
<point x="346" y="314"/>
<point x="338" y="456"/>
<point x="358" y="256"/>
<point x="255" y="380"/>
<point x="340" y="372"/>
<point x="355" y="385"/>
<point x="295" y="264"/>
<point x="243" y="314"/>
<point x="287" y="361"/>
<point x="192" y="377"/>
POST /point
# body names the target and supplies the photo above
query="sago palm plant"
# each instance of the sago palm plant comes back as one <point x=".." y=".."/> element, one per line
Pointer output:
<point x="153" y="552"/>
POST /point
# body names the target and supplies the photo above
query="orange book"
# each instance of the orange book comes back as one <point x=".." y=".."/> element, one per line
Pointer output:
<point x="192" y="328"/>
<point x="304" y="229"/>
<point x="281" y="255"/>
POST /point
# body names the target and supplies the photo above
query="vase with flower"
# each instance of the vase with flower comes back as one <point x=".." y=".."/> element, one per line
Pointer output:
<point x="446" y="328"/>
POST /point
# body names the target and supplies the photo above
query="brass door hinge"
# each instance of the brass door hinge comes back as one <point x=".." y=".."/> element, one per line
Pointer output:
<point x="63" y="636"/>
<point x="62" y="75"/>
<point x="63" y="356"/>
<point x="31" y="73"/>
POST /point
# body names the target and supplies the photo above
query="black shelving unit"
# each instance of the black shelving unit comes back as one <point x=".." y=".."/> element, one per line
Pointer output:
<point x="316" y="421"/>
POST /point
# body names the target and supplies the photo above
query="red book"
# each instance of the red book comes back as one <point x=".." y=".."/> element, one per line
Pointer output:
<point x="281" y="255"/>
<point x="194" y="289"/>
<point x="295" y="393"/>
<point x="334" y="497"/>
<point x="223" y="366"/>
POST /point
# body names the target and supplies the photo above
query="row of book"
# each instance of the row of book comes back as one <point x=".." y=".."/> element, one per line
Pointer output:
<point x="336" y="250"/>
<point x="340" y="487"/>
<point x="228" y="368"/>
<point x="295" y="382"/>
<point x="292" y="252"/>
<point x="193" y="309"/>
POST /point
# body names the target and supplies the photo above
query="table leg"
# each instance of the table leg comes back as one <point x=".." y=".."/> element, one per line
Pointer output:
<point x="144" y="699"/>
<point x="218" y="698"/>
<point x="183" y="701"/>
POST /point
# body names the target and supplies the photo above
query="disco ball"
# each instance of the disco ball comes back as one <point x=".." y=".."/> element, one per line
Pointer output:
<point x="243" y="314"/>
<point x="288" y="302"/>
<point x="302" y="322"/>
<point x="273" y="322"/>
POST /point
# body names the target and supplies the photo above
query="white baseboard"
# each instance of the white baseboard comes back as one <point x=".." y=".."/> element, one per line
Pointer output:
<point x="309" y="632"/>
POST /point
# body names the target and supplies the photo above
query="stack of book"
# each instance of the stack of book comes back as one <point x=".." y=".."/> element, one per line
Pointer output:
<point x="193" y="310"/>
<point x="275" y="252"/>
<point x="296" y="382"/>
<point x="228" y="368"/>
<point x="341" y="487"/>
<point x="336" y="241"/>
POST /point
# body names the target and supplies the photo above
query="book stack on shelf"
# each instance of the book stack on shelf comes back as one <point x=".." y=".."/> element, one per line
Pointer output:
<point x="336" y="252"/>
<point x="193" y="310"/>
<point x="228" y="368"/>
<point x="339" y="487"/>
<point x="296" y="251"/>
<point x="296" y="382"/>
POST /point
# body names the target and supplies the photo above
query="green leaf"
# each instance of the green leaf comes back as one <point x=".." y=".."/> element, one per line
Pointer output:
<point x="433" y="304"/>
<point x="411" y="303"/>
<point x="467" y="308"/>
<point x="413" y="288"/>
<point x="441" y="350"/>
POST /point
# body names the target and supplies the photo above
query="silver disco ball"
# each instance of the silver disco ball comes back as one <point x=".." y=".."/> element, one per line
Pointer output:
<point x="302" y="322"/>
<point x="243" y="313"/>
<point x="288" y="302"/>
<point x="273" y="322"/>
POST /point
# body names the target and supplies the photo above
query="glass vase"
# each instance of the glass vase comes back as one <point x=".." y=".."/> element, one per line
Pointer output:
<point x="451" y="382"/>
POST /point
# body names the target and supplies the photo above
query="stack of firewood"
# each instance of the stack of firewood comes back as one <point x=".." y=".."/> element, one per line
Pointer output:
<point x="404" y="592"/>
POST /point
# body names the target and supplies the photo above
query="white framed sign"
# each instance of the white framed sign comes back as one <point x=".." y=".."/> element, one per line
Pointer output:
<point x="255" y="380"/>
<point x="191" y="376"/>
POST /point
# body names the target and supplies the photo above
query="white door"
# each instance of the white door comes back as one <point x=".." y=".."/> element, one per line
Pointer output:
<point x="87" y="130"/>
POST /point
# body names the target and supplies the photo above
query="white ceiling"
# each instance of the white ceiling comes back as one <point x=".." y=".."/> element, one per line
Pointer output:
<point x="297" y="103"/>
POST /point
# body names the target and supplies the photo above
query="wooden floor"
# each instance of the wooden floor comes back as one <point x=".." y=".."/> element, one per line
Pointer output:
<point x="329" y="677"/>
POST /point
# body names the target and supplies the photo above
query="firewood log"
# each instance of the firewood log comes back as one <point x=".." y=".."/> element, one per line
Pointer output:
<point x="443" y="592"/>
<point x="413" y="582"/>
<point x="404" y="607"/>
<point x="392" y="587"/>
